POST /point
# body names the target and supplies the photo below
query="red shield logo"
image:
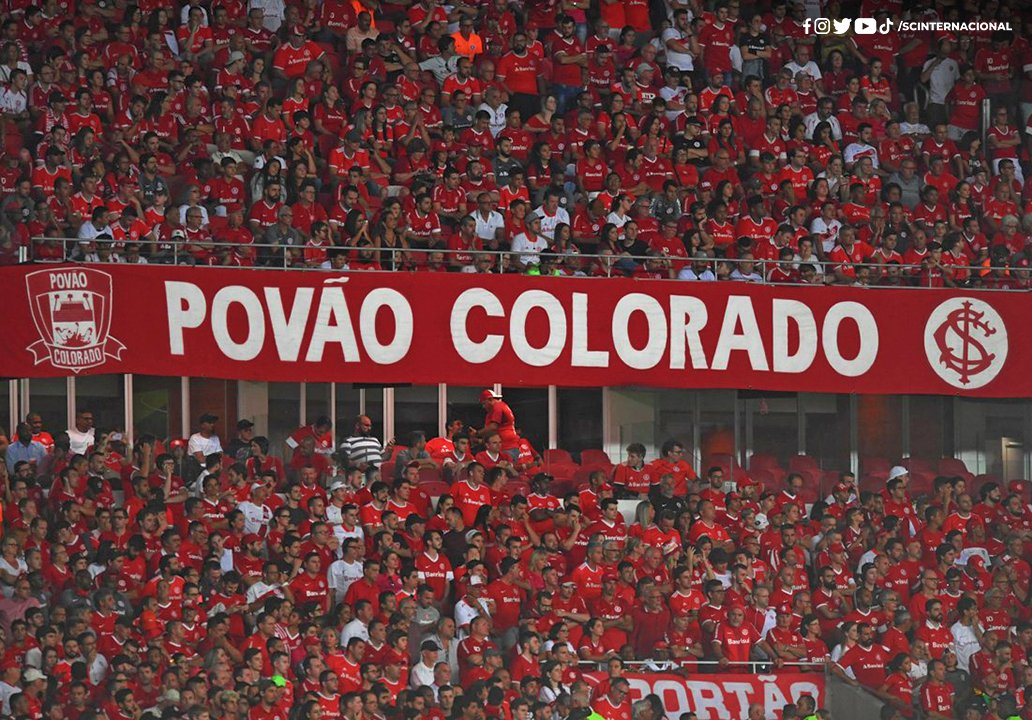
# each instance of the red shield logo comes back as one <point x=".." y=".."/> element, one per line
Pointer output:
<point x="71" y="308"/>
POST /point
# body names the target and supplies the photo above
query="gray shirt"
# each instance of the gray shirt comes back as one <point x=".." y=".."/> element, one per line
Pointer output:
<point x="911" y="194"/>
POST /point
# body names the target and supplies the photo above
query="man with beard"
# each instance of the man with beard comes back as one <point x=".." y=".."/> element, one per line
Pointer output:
<point x="865" y="662"/>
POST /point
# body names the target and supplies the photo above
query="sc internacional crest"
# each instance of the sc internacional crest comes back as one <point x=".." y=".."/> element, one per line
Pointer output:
<point x="71" y="308"/>
<point x="966" y="342"/>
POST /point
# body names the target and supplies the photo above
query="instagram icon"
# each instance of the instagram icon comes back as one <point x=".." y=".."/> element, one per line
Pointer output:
<point x="821" y="26"/>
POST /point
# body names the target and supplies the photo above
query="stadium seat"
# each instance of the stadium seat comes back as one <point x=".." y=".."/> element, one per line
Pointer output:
<point x="920" y="483"/>
<point x="872" y="464"/>
<point x="557" y="456"/>
<point x="952" y="467"/>
<point x="595" y="457"/>
<point x="798" y="463"/>
<point x="394" y="452"/>
<point x="915" y="464"/>
<point x="434" y="489"/>
<point x="873" y="482"/>
<point x="429" y="475"/>
<point x="763" y="461"/>
<point x="387" y="471"/>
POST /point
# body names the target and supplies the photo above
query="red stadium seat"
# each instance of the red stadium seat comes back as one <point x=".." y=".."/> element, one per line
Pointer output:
<point x="557" y="455"/>
<point x="434" y="489"/>
<point x="595" y="457"/>
<point x="429" y="475"/>
<point x="798" y="463"/>
<point x="387" y="471"/>
<point x="872" y="464"/>
<point x="914" y="464"/>
<point x="763" y="461"/>
<point x="873" y="482"/>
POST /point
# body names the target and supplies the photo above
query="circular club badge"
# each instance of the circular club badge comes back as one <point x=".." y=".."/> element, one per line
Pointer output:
<point x="965" y="340"/>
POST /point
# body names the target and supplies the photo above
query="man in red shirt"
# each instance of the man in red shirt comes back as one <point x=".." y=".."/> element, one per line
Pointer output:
<point x="734" y="640"/>
<point x="508" y="599"/>
<point x="518" y="70"/>
<point x="499" y="418"/>
<point x="291" y="59"/>
<point x="866" y="660"/>
<point x="672" y="462"/>
<point x="936" y="693"/>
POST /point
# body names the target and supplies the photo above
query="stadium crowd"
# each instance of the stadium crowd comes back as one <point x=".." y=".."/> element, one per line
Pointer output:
<point x="644" y="138"/>
<point x="224" y="582"/>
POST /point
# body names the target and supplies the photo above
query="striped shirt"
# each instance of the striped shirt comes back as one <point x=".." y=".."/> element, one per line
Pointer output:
<point x="361" y="449"/>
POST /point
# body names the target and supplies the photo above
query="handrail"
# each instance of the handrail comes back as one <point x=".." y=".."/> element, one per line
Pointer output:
<point x="754" y="666"/>
<point x="177" y="253"/>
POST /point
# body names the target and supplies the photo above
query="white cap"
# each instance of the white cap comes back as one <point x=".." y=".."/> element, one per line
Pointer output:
<point x="32" y="675"/>
<point x="898" y="471"/>
<point x="476" y="580"/>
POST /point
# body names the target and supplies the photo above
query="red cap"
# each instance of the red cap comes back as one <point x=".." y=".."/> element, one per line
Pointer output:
<point x="976" y="561"/>
<point x="842" y="487"/>
<point x="746" y="481"/>
<point x="837" y="548"/>
<point x="250" y="538"/>
<point x="1016" y="486"/>
<point x="126" y="180"/>
<point x="661" y="646"/>
<point x="178" y="442"/>
<point x="298" y="30"/>
<point x="705" y="185"/>
<point x="609" y="577"/>
<point x="784" y="610"/>
<point x="489" y="395"/>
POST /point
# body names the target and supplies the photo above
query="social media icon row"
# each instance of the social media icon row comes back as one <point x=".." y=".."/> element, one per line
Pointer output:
<point x="861" y="26"/>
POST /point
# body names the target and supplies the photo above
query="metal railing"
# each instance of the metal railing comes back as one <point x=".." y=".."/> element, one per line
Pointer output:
<point x="291" y="257"/>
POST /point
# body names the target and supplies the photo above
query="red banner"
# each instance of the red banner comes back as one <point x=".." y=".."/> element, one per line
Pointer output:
<point x="725" y="696"/>
<point x="481" y="329"/>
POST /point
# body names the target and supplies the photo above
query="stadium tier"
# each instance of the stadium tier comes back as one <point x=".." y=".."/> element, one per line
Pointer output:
<point x="529" y="359"/>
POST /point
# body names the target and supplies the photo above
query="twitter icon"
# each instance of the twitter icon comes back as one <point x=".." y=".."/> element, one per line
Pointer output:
<point x="841" y="26"/>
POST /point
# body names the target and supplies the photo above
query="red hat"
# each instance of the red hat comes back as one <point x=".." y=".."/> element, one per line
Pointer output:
<point x="178" y="442"/>
<point x="842" y="487"/>
<point x="609" y="577"/>
<point x="298" y="30"/>
<point x="250" y="539"/>
<point x="489" y="395"/>
<point x="746" y="481"/>
<point x="1016" y="486"/>
<point x="661" y="646"/>
<point x="837" y="548"/>
<point x="976" y="561"/>
<point x="784" y="610"/>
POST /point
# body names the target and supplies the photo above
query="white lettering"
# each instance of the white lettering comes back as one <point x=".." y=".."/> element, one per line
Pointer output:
<point x="688" y="316"/>
<point x="786" y="313"/>
<point x="333" y="325"/>
<point x="866" y="327"/>
<point x="740" y="311"/>
<point x="707" y="699"/>
<point x="68" y="280"/>
<point x="650" y="355"/>
<point x="581" y="356"/>
<point x="255" y="338"/>
<point x="467" y="348"/>
<point x="553" y="347"/>
<point x="773" y="697"/>
<point x="186" y="309"/>
<point x="289" y="331"/>
<point x="396" y="349"/>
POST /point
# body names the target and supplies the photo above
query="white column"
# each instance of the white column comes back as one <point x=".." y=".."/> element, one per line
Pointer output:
<point x="184" y="396"/>
<point x="388" y="413"/>
<point x="553" y="416"/>
<point x="130" y="422"/>
<point x="333" y="412"/>
<point x="253" y="404"/>
<point x="12" y="408"/>
<point x="442" y="409"/>
<point x="24" y="392"/>
<point x="854" y="436"/>
<point x="69" y="400"/>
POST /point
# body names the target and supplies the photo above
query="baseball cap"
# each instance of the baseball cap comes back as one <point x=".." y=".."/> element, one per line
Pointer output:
<point x="429" y="646"/>
<point x="837" y="548"/>
<point x="489" y="395"/>
<point x="784" y="610"/>
<point x="476" y="580"/>
<point x="338" y="485"/>
<point x="1016" y="486"/>
<point x="842" y="487"/>
<point x="607" y="577"/>
<point x="178" y="442"/>
<point x="250" y="538"/>
<point x="234" y="57"/>
<point x="570" y="581"/>
<point x="243" y="424"/>
<point x="32" y="675"/>
<point x="208" y="417"/>
<point x="472" y="534"/>
<point x="298" y="30"/>
<point x="898" y="471"/>
<point x="492" y="652"/>
<point x="279" y="681"/>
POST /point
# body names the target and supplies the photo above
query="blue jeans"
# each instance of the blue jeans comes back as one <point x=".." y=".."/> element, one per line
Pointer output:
<point x="566" y="96"/>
